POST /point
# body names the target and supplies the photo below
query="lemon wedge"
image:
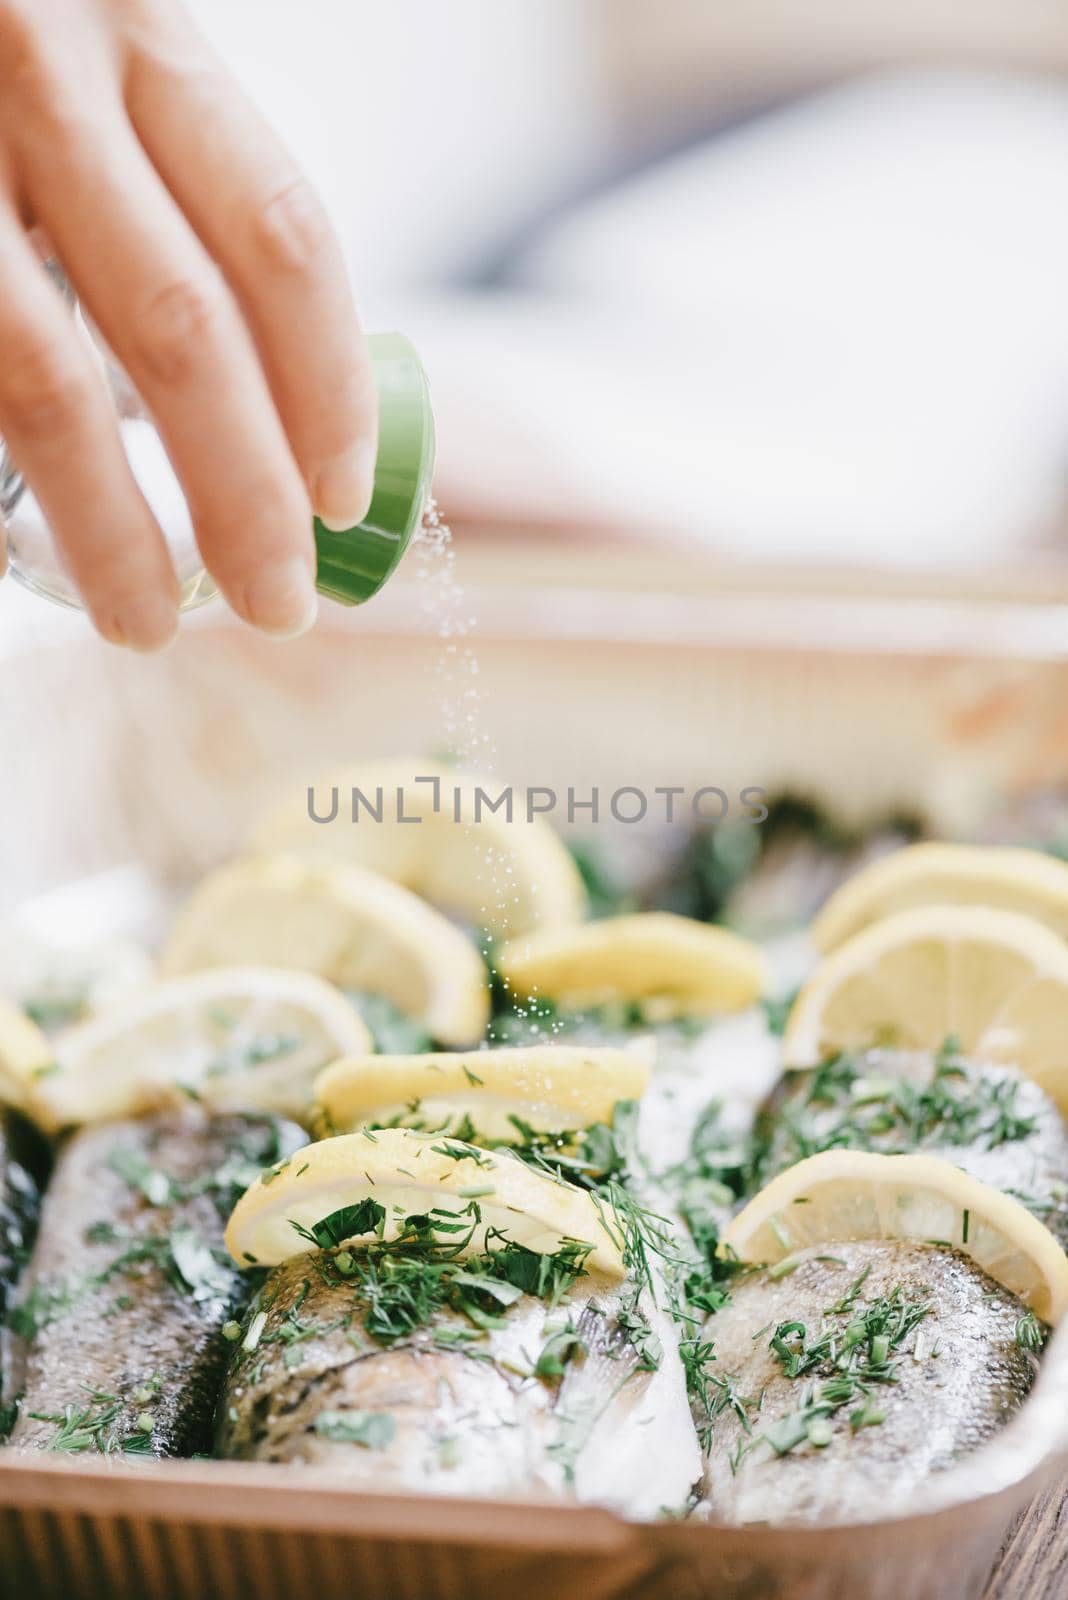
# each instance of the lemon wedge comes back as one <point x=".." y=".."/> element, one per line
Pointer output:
<point x="551" y="1088"/>
<point x="1025" y="881"/>
<point x="408" y="1174"/>
<point x="671" y="965"/>
<point x="237" y="1038"/>
<point x="852" y="1194"/>
<point x="25" y="1054"/>
<point x="996" y="980"/>
<point x="356" y="929"/>
<point x="505" y="876"/>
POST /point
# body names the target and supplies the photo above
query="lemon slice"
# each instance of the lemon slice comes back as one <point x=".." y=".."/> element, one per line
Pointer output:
<point x="25" y="1053"/>
<point x="59" y="982"/>
<point x="996" y="980"/>
<point x="505" y="876"/>
<point x="1019" y="880"/>
<point x="408" y="1174"/>
<point x="671" y="965"/>
<point x="551" y="1088"/>
<point x="238" y="1038"/>
<point x="852" y="1194"/>
<point x="352" y="927"/>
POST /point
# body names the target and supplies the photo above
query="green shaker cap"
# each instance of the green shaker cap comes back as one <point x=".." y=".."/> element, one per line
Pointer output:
<point x="354" y="565"/>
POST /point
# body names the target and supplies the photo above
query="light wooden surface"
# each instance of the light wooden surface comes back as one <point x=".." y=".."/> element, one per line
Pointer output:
<point x="1033" y="1563"/>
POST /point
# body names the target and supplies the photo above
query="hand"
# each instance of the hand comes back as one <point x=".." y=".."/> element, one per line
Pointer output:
<point x="201" y="252"/>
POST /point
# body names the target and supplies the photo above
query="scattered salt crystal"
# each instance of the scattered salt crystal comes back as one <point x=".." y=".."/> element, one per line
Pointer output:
<point x="460" y="708"/>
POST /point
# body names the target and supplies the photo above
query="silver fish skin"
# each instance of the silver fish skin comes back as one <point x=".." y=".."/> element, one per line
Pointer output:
<point x="24" y="1160"/>
<point x="116" y="1340"/>
<point x="1009" y="1135"/>
<point x="462" y="1419"/>
<point x="734" y="1058"/>
<point x="959" y="1374"/>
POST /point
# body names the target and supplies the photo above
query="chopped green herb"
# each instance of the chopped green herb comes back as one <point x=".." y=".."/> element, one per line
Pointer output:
<point x="463" y="1152"/>
<point x="394" y="1033"/>
<point x="94" y="1427"/>
<point x="558" y="1349"/>
<point x="374" y="1430"/>
<point x="1030" y="1333"/>
<point x="200" y="1266"/>
<point x="255" y="1329"/>
<point x="777" y="1010"/>
<point x="265" y="1047"/>
<point x="350" y="1222"/>
<point x="841" y="1104"/>
<point x="851" y="1354"/>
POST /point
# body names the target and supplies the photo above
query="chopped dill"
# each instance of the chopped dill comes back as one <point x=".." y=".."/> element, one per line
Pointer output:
<point x="841" y="1105"/>
<point x="1030" y="1332"/>
<point x="393" y="1032"/>
<point x="253" y="1053"/>
<point x="845" y="1361"/>
<point x="558" y="1349"/>
<point x="399" y="1286"/>
<point x="94" y="1427"/>
<point x="374" y="1430"/>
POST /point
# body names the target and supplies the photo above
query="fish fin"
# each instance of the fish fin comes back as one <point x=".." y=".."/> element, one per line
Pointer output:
<point x="609" y="1356"/>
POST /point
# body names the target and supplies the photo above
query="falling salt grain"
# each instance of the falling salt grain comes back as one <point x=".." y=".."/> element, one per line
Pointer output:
<point x="443" y="608"/>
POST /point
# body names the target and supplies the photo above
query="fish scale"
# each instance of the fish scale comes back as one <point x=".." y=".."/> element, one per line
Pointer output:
<point x="111" y="1356"/>
<point x="956" y="1379"/>
<point x="1010" y="1134"/>
<point x="461" y="1419"/>
<point x="24" y="1160"/>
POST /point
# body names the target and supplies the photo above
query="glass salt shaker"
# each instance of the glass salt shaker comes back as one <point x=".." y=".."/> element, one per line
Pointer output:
<point x="352" y="565"/>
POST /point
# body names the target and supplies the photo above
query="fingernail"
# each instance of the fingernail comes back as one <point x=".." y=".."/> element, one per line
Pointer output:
<point x="344" y="487"/>
<point x="148" y="622"/>
<point x="281" y="598"/>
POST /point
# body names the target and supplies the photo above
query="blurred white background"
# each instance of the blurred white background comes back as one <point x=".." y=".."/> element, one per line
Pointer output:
<point x="433" y="130"/>
<point x="776" y="284"/>
<point x="765" y="282"/>
<point x="784" y="281"/>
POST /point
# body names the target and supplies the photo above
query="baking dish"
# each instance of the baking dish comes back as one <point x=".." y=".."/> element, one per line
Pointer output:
<point x="946" y="704"/>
